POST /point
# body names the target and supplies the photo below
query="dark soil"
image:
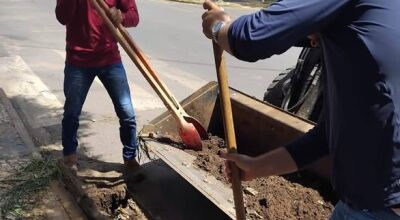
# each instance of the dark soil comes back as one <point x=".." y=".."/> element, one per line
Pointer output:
<point x="273" y="197"/>
<point x="106" y="187"/>
<point x="114" y="202"/>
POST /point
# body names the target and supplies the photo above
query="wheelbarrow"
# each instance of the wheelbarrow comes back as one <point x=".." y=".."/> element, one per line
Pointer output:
<point x="259" y="128"/>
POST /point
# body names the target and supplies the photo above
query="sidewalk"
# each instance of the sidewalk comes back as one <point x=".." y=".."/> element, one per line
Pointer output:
<point x="19" y="162"/>
<point x="39" y="109"/>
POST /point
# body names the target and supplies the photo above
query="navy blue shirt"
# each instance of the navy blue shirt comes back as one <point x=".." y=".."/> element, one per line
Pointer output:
<point x="360" y="127"/>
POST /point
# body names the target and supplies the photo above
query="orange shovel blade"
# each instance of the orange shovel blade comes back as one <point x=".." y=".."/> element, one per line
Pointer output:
<point x="190" y="137"/>
<point x="199" y="128"/>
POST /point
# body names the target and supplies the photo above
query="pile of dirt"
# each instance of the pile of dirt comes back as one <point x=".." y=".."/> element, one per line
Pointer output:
<point x="105" y="185"/>
<point x="115" y="203"/>
<point x="274" y="197"/>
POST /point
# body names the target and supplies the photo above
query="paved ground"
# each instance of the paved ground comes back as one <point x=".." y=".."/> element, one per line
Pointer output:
<point x="31" y="72"/>
<point x="16" y="151"/>
<point x="32" y="43"/>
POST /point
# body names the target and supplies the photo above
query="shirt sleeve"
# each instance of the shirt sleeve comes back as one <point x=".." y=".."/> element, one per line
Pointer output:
<point x="283" y="24"/>
<point x="311" y="146"/>
<point x="130" y="13"/>
<point x="65" y="10"/>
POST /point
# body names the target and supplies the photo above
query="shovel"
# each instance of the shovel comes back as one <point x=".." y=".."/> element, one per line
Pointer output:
<point x="190" y="130"/>
<point x="229" y="129"/>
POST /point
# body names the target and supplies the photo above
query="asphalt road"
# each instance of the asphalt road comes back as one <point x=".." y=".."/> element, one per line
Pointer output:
<point x="32" y="57"/>
<point x="169" y="33"/>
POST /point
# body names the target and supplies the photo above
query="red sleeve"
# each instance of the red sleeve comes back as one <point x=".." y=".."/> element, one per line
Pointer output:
<point x="130" y="13"/>
<point x="65" y="10"/>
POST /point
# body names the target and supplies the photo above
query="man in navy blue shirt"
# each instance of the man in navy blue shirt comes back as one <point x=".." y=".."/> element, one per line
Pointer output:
<point x="360" y="127"/>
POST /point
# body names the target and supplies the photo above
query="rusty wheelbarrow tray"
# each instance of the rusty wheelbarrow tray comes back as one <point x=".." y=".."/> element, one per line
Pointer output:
<point x="259" y="128"/>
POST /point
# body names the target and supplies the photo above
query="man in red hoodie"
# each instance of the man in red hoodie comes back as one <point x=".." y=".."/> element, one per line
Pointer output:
<point x="92" y="51"/>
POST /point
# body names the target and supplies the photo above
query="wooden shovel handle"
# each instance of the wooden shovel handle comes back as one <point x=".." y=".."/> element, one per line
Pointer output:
<point x="145" y="61"/>
<point x="142" y="57"/>
<point x="229" y="128"/>
<point x="138" y="62"/>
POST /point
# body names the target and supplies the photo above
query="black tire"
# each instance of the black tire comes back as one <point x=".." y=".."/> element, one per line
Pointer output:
<point x="275" y="91"/>
<point x="294" y="89"/>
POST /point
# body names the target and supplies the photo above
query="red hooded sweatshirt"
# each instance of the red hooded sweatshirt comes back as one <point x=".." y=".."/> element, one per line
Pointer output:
<point x="89" y="42"/>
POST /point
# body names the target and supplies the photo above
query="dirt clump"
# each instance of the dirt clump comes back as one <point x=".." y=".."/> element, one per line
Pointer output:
<point x="267" y="198"/>
<point x="116" y="203"/>
<point x="105" y="185"/>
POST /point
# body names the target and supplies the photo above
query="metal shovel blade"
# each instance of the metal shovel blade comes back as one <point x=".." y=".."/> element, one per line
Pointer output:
<point x="199" y="128"/>
<point x="188" y="130"/>
<point x="190" y="136"/>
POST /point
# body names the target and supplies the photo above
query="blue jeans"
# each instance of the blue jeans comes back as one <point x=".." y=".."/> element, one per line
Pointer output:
<point x="77" y="82"/>
<point x="344" y="212"/>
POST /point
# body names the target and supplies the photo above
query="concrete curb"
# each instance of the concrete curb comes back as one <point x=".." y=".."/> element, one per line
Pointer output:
<point x="60" y="204"/>
<point x="39" y="109"/>
<point x="18" y="124"/>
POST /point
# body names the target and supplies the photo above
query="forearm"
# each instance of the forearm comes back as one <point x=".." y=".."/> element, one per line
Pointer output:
<point x="65" y="10"/>
<point x="223" y="40"/>
<point x="276" y="162"/>
<point x="311" y="146"/>
<point x="275" y="29"/>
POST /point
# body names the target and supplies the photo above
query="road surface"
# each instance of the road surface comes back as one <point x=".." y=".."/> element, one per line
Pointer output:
<point x="32" y="57"/>
<point x="169" y="33"/>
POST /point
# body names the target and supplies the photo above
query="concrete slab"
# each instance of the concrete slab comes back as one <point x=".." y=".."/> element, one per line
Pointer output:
<point x="16" y="150"/>
<point x="34" y="101"/>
